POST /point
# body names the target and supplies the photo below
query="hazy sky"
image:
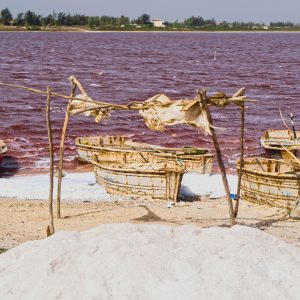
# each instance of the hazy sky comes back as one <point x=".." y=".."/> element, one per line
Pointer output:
<point x="229" y="10"/>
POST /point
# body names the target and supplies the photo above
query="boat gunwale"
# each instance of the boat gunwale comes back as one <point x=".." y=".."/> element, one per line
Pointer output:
<point x="152" y="148"/>
<point x="152" y="152"/>
<point x="278" y="175"/>
<point x="177" y="169"/>
<point x="279" y="147"/>
<point x="266" y="133"/>
<point x="288" y="142"/>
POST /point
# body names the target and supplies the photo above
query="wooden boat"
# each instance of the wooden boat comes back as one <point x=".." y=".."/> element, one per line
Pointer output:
<point x="120" y="149"/>
<point x="146" y="180"/>
<point x="3" y="147"/>
<point x="271" y="182"/>
<point x="281" y="141"/>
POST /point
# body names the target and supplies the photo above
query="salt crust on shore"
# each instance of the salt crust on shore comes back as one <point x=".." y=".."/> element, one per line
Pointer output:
<point x="82" y="186"/>
<point x="134" y="261"/>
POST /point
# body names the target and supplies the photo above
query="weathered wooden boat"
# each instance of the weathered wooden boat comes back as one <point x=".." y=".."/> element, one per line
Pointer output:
<point x="120" y="149"/>
<point x="146" y="180"/>
<point x="271" y="182"/>
<point x="280" y="141"/>
<point x="3" y="147"/>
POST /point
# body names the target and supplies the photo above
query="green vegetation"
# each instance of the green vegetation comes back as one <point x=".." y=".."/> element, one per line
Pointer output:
<point x="5" y="16"/>
<point x="29" y="20"/>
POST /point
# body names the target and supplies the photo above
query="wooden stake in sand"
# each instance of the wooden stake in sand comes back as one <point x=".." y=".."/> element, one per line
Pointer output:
<point x="202" y="97"/>
<point x="238" y="192"/>
<point x="62" y="149"/>
<point x="50" y="227"/>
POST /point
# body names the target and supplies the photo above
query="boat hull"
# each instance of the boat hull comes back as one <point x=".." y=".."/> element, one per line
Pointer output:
<point x="121" y="150"/>
<point x="276" y="142"/>
<point x="149" y="181"/>
<point x="270" y="182"/>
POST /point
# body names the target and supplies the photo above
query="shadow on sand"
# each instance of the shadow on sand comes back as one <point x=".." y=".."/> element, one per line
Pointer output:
<point x="149" y="217"/>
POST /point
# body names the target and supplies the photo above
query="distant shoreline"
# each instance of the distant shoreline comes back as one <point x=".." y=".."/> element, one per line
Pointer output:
<point x="75" y="29"/>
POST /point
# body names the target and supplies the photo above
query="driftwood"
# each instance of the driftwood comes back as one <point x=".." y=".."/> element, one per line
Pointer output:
<point x="50" y="227"/>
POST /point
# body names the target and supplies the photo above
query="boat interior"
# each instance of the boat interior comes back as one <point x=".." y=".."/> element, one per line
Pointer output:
<point x="271" y="165"/>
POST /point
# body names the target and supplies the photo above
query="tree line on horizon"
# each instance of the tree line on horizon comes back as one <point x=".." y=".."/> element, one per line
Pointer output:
<point x="31" y="19"/>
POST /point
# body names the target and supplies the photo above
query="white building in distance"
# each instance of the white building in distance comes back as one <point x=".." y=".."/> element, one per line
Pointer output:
<point x="158" y="23"/>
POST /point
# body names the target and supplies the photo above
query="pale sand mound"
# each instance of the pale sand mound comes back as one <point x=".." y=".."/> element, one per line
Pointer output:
<point x="133" y="261"/>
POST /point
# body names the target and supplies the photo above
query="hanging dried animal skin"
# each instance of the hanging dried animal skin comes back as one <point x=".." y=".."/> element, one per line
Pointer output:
<point x="161" y="111"/>
<point x="89" y="109"/>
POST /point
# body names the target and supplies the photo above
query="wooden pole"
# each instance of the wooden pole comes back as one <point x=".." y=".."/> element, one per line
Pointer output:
<point x="202" y="95"/>
<point x="283" y="121"/>
<point x="238" y="192"/>
<point x="75" y="81"/>
<point x="293" y="126"/>
<point x="50" y="227"/>
<point x="61" y="151"/>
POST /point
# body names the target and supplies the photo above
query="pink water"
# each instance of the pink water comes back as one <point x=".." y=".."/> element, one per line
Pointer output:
<point x="121" y="67"/>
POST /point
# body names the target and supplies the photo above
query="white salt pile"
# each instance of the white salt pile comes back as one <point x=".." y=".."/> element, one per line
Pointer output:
<point x="133" y="261"/>
<point x="206" y="185"/>
<point x="75" y="187"/>
<point x="82" y="186"/>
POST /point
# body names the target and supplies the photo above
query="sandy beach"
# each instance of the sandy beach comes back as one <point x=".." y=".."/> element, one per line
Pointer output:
<point x="23" y="220"/>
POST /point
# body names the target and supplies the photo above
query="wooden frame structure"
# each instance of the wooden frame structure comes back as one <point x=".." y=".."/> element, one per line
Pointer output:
<point x="220" y="100"/>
